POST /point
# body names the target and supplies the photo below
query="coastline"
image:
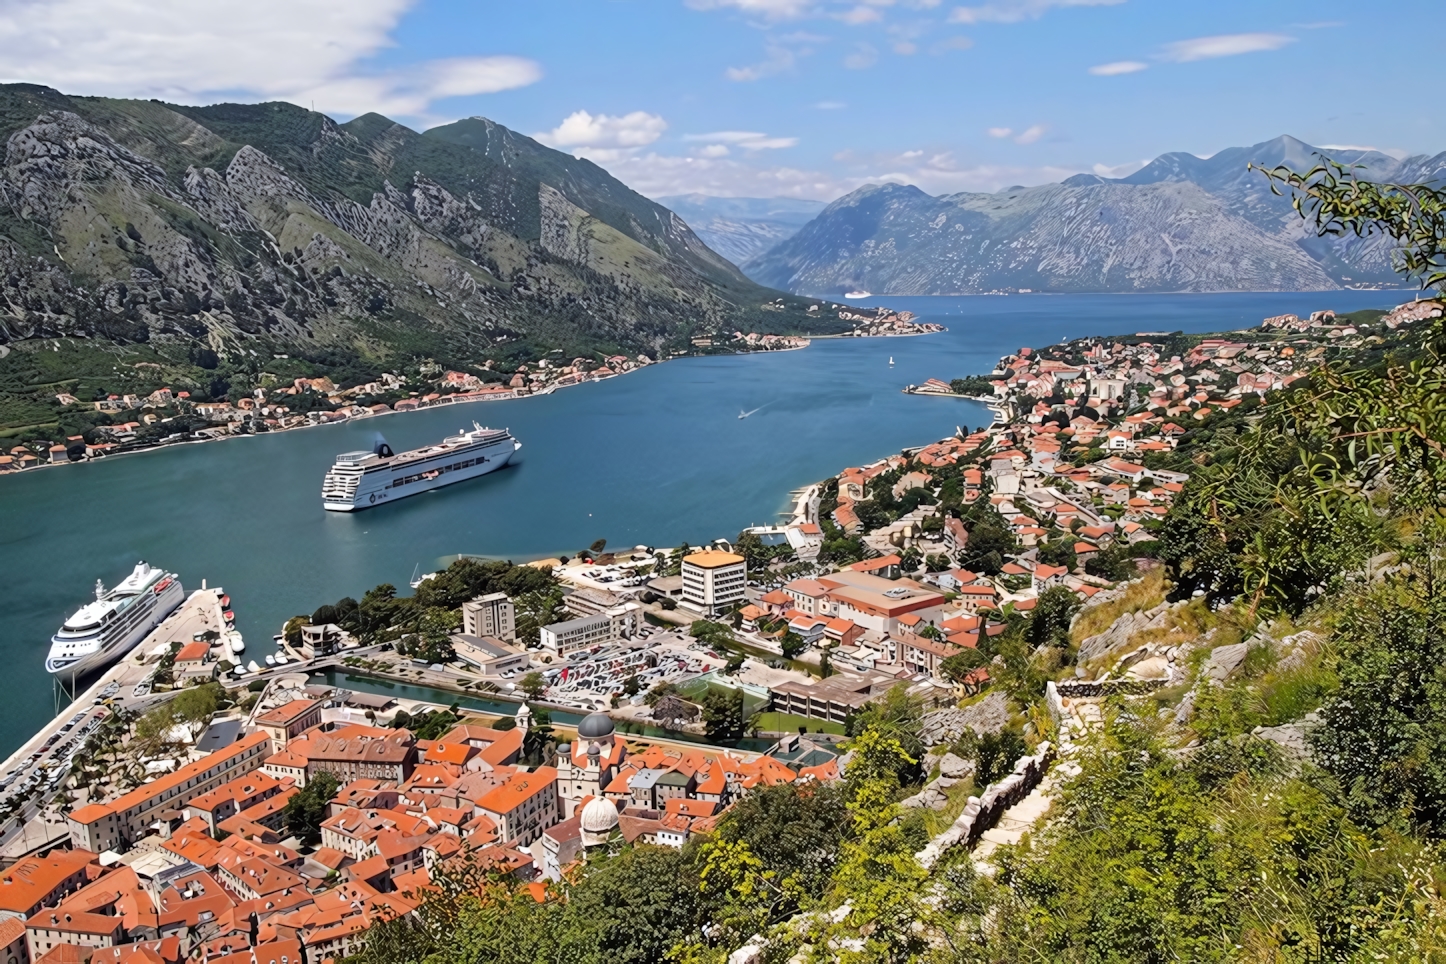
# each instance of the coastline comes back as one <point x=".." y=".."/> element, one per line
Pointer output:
<point x="548" y="390"/>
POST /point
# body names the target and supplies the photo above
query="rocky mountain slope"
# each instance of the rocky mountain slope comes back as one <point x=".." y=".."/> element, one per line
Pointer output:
<point x="741" y="228"/>
<point x="254" y="228"/>
<point x="1181" y="223"/>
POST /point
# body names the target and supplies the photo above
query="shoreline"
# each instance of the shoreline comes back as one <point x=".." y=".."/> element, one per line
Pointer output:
<point x="548" y="390"/>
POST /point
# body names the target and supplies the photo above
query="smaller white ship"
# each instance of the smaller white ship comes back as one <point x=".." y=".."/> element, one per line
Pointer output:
<point x="103" y="631"/>
<point x="891" y="361"/>
<point x="858" y="294"/>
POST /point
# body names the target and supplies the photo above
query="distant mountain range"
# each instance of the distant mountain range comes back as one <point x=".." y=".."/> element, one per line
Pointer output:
<point x="1181" y="223"/>
<point x="248" y="229"/>
<point x="740" y="228"/>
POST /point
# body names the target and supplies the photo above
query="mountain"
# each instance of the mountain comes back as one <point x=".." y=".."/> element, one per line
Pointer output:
<point x="1181" y="223"/>
<point x="740" y="228"/>
<point x="253" y="229"/>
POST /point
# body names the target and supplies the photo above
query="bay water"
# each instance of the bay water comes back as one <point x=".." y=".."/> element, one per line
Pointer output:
<point x="655" y="457"/>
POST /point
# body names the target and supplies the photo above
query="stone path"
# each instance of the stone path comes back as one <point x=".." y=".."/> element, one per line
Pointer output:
<point x="1012" y="826"/>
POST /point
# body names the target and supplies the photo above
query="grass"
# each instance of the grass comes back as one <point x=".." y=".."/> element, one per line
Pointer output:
<point x="772" y="722"/>
<point x="1145" y="593"/>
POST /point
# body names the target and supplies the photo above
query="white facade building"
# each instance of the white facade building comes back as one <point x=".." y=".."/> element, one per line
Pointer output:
<point x="490" y="615"/>
<point x="713" y="581"/>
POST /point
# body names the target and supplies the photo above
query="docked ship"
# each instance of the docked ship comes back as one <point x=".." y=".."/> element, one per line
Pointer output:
<point x="103" y="631"/>
<point x="360" y="480"/>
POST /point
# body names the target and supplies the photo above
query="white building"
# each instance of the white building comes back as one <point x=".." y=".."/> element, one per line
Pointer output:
<point x="589" y="631"/>
<point x="713" y="581"/>
<point x="490" y="615"/>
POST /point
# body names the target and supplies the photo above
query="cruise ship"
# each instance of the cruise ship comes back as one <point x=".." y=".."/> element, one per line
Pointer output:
<point x="103" y="631"/>
<point x="360" y="480"/>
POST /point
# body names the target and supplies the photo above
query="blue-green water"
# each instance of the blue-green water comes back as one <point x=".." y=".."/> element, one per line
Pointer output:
<point x="655" y="457"/>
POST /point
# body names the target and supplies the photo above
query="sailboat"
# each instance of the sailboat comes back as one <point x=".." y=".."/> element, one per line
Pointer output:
<point x="891" y="361"/>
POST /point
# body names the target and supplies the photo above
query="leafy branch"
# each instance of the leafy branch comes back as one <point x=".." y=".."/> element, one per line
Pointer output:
<point x="1339" y="203"/>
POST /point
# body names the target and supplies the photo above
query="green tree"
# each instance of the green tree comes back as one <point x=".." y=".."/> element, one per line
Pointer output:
<point x="792" y="645"/>
<point x="533" y="684"/>
<point x="723" y="718"/>
<point x="307" y="808"/>
<point x="956" y="668"/>
<point x="1049" y="621"/>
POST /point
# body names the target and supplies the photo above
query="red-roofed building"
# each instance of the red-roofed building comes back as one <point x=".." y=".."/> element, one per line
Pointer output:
<point x="523" y="806"/>
<point x="289" y="720"/>
<point x="117" y="824"/>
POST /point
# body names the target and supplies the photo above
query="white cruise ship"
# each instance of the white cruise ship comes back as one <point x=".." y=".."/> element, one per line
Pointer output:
<point x="103" y="631"/>
<point x="360" y="480"/>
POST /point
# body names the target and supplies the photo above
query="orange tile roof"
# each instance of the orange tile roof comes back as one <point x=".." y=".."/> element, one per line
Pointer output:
<point x="191" y="652"/>
<point x="31" y="880"/>
<point x="712" y="559"/>
<point x="287" y="712"/>
<point x="518" y="790"/>
<point x="142" y="794"/>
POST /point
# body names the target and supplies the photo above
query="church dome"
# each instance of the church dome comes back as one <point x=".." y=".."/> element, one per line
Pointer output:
<point x="595" y="726"/>
<point x="600" y="816"/>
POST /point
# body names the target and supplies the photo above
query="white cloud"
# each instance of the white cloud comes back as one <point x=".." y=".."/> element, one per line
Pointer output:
<point x="905" y="48"/>
<point x="768" y="9"/>
<point x="713" y="150"/>
<point x="863" y="57"/>
<point x="861" y="14"/>
<point x="243" y="49"/>
<point x="657" y="175"/>
<point x="1119" y="170"/>
<point x="952" y="43"/>
<point x="1119" y="67"/>
<point x="1030" y="136"/>
<point x="830" y="105"/>
<point x="748" y="140"/>
<point x="1013" y="11"/>
<point x="1225" y="45"/>
<point x="1395" y="152"/>
<point x="779" y="59"/>
<point x="1000" y="131"/>
<point x="581" y="129"/>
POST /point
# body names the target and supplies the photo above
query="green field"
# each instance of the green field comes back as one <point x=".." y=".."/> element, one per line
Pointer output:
<point x="790" y="722"/>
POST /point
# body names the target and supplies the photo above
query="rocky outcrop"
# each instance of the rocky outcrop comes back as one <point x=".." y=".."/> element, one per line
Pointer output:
<point x="132" y="221"/>
<point x="943" y="727"/>
<point x="1120" y="632"/>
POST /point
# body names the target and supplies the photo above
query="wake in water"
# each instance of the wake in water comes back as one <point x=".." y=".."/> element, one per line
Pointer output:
<point x="742" y="414"/>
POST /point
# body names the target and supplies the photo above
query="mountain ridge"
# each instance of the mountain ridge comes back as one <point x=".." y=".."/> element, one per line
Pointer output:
<point x="139" y="221"/>
<point x="1180" y="223"/>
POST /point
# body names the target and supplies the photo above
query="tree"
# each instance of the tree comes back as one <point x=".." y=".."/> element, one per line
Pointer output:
<point x="307" y="809"/>
<point x="723" y="719"/>
<point x="1383" y="734"/>
<point x="196" y="704"/>
<point x="1050" y="619"/>
<point x="959" y="667"/>
<point x="996" y="754"/>
<point x="792" y="644"/>
<point x="533" y="684"/>
<point x="632" y="685"/>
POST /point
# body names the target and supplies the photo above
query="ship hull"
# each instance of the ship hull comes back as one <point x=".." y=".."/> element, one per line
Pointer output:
<point x="380" y="488"/>
<point x="89" y="659"/>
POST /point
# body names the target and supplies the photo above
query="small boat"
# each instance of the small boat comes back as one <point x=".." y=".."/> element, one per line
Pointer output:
<point x="235" y="643"/>
<point x="891" y="361"/>
<point x="270" y="660"/>
<point x="858" y="294"/>
<point x="225" y="602"/>
<point x="229" y="616"/>
<point x="281" y="659"/>
<point x="252" y="667"/>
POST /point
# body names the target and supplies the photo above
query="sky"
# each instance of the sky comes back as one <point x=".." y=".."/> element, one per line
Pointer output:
<point x="781" y="98"/>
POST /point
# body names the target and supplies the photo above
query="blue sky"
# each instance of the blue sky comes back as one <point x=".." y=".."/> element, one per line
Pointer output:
<point x="805" y="98"/>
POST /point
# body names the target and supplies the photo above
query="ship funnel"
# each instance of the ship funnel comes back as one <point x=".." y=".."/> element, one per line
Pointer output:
<point x="380" y="446"/>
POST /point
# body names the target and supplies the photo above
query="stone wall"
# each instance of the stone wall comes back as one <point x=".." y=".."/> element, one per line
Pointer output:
<point x="984" y="811"/>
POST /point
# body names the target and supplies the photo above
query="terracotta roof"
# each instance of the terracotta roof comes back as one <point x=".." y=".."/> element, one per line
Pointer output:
<point x="712" y="559"/>
<point x="518" y="790"/>
<point x="287" y="712"/>
<point x="142" y="794"/>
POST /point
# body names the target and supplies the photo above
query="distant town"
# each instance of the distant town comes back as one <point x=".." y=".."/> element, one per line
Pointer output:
<point x="195" y="805"/>
<point x="134" y="422"/>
